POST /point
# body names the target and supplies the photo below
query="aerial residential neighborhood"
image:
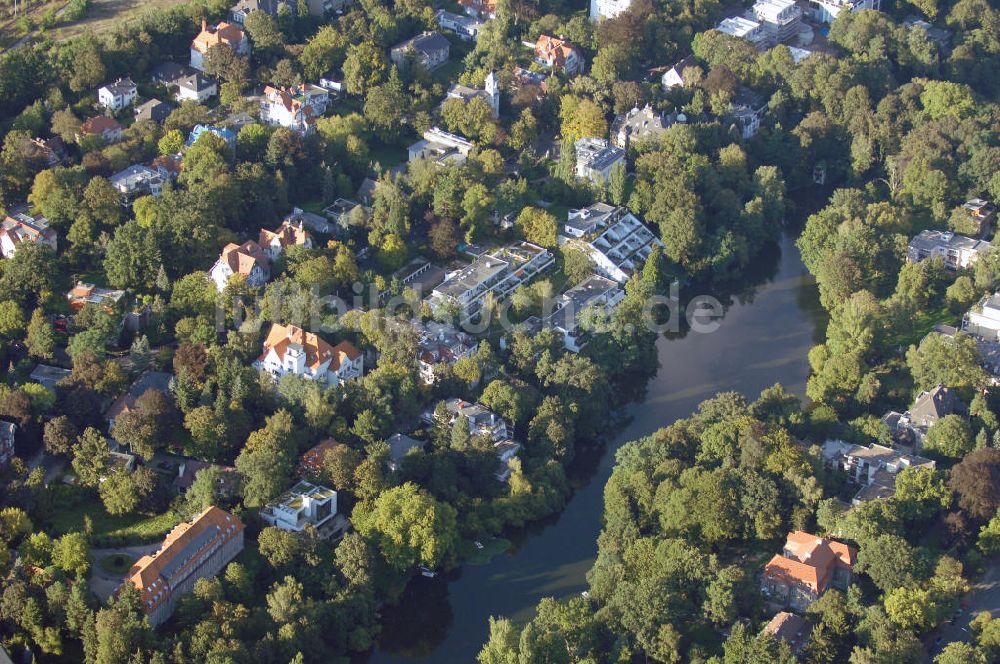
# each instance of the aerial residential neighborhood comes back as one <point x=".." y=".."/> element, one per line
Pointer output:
<point x="622" y="331"/>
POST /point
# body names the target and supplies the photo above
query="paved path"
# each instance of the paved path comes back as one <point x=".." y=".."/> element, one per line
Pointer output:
<point x="984" y="596"/>
<point x="103" y="583"/>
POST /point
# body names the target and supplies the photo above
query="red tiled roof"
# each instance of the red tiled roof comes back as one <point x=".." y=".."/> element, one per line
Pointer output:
<point x="243" y="257"/>
<point x="810" y="562"/>
<point x="312" y="459"/>
<point x="147" y="574"/>
<point x="99" y="124"/>
<point x="317" y="351"/>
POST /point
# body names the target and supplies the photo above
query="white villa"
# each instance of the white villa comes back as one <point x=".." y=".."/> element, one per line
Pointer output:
<point x="291" y="350"/>
<point x="118" y="95"/>
<point x="294" y="108"/>
<point x="615" y="240"/>
<point x="289" y="234"/>
<point x="247" y="260"/>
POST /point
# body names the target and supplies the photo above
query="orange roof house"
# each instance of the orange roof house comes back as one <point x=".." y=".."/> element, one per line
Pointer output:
<point x="225" y="33"/>
<point x="311" y="462"/>
<point x="103" y="126"/>
<point x="247" y="260"/>
<point x="191" y="551"/>
<point x="806" y="568"/>
<point x="289" y="349"/>
<point x="479" y="7"/>
<point x="289" y="234"/>
<point x="558" y="54"/>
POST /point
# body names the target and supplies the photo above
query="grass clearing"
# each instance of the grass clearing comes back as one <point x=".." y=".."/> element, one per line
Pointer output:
<point x="108" y="529"/>
<point x="103" y="15"/>
<point x="116" y="563"/>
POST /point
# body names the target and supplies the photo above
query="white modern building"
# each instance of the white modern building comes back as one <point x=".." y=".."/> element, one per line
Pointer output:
<point x="742" y="28"/>
<point x="466" y="28"/>
<point x="291" y="350"/>
<point x="294" y="108"/>
<point x="873" y="468"/>
<point x="608" y="8"/>
<point x="118" y="95"/>
<point x="303" y="506"/>
<point x="780" y="19"/>
<point x="499" y="273"/>
<point x="441" y="147"/>
<point x="616" y="241"/>
<point x="958" y="251"/>
<point x="137" y="180"/>
<point x="983" y="320"/>
<point x="595" y="158"/>
<point x="826" y="11"/>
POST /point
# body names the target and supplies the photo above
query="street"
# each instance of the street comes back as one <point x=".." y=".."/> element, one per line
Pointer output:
<point x="984" y="596"/>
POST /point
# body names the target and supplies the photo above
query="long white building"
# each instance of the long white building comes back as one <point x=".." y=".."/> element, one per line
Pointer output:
<point x="499" y="272"/>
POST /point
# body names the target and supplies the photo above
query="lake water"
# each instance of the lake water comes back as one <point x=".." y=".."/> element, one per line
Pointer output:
<point x="772" y="320"/>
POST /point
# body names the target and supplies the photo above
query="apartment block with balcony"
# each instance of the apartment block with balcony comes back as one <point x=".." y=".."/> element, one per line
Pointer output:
<point x="872" y="468"/>
<point x="499" y="273"/>
<point x="780" y="20"/>
<point x="958" y="251"/>
<point x="616" y="241"/>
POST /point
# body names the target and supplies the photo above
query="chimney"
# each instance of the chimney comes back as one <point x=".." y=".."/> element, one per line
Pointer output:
<point x="204" y="24"/>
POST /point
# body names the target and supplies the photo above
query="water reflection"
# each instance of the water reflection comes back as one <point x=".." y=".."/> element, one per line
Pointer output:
<point x="772" y="318"/>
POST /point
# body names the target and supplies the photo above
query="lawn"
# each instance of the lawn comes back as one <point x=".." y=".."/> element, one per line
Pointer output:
<point x="107" y="529"/>
<point x="104" y="15"/>
<point x="924" y="321"/>
<point x="117" y="563"/>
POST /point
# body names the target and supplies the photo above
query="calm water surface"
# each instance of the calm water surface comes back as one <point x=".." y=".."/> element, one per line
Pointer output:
<point x="771" y="321"/>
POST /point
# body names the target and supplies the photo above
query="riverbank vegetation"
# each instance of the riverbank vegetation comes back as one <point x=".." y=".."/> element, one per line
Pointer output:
<point x="904" y="134"/>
